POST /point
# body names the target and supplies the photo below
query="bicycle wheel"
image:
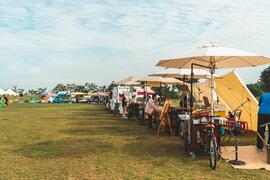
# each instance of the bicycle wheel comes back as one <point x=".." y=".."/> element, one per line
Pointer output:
<point x="186" y="143"/>
<point x="212" y="153"/>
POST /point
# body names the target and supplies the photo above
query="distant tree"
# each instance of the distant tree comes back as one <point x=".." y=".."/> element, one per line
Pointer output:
<point x="80" y="88"/>
<point x="59" y="87"/>
<point x="91" y="87"/>
<point x="102" y="88"/>
<point x="20" y="91"/>
<point x="32" y="92"/>
<point x="111" y="86"/>
<point x="265" y="79"/>
<point x="256" y="88"/>
<point x="71" y="87"/>
<point x="40" y="91"/>
<point x="15" y="88"/>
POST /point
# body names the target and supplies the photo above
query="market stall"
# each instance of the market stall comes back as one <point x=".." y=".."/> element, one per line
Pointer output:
<point x="158" y="82"/>
<point x="202" y="126"/>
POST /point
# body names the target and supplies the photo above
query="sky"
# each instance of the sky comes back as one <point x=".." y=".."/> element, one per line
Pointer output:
<point x="46" y="42"/>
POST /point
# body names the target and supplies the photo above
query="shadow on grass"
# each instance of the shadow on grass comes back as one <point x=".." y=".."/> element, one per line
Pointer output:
<point x="103" y="130"/>
<point x="148" y="148"/>
<point x="64" y="148"/>
<point x="89" y="123"/>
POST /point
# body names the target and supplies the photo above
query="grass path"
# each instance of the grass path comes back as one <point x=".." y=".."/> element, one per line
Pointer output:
<point x="50" y="141"/>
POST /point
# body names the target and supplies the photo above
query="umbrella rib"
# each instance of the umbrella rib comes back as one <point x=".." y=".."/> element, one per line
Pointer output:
<point x="179" y="67"/>
<point x="245" y="61"/>
<point x="228" y="57"/>
<point x="223" y="58"/>
<point x="201" y="59"/>
<point x="195" y="58"/>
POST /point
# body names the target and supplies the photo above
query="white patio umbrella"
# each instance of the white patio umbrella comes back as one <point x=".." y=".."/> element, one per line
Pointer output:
<point x="215" y="57"/>
<point x="128" y="81"/>
<point x="182" y="73"/>
<point x="152" y="80"/>
<point x="157" y="81"/>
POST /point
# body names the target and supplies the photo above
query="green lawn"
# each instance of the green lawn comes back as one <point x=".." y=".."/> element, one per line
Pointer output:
<point x="45" y="141"/>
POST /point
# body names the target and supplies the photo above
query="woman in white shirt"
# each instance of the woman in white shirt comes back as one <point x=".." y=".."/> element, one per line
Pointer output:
<point x="150" y="109"/>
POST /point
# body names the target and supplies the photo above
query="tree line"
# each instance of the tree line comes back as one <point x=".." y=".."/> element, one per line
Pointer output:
<point x="72" y="87"/>
<point x="257" y="88"/>
<point x="262" y="85"/>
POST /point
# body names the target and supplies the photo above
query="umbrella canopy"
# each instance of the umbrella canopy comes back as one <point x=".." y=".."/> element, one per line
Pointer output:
<point x="182" y="73"/>
<point x="152" y="80"/>
<point x="215" y="57"/>
<point x="128" y="81"/>
<point x="218" y="56"/>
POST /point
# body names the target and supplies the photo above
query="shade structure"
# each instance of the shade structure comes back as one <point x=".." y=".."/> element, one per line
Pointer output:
<point x="10" y="92"/>
<point x="233" y="93"/>
<point x="215" y="57"/>
<point x="2" y="92"/>
<point x="182" y="73"/>
<point x="156" y="81"/>
<point x="218" y="56"/>
<point x="128" y="81"/>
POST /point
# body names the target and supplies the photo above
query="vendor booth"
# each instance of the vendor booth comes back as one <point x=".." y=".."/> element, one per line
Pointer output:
<point x="162" y="110"/>
<point x="202" y="131"/>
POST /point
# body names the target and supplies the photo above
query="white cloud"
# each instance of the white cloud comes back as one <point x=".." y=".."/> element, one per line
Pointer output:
<point x="79" y="39"/>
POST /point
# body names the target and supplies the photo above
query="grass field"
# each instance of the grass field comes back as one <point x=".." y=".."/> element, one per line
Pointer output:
<point x="51" y="141"/>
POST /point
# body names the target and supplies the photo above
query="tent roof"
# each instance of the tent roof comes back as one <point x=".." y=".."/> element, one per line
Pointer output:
<point x="232" y="89"/>
<point x="157" y="80"/>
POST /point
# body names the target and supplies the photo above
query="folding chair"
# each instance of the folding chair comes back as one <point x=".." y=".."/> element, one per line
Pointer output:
<point x="164" y="118"/>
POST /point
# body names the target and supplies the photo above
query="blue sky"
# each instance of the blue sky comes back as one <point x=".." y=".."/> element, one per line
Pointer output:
<point x="45" y="42"/>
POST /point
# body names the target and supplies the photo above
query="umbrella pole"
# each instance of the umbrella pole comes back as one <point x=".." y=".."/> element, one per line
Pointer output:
<point x="212" y="71"/>
<point x="165" y="92"/>
<point x="212" y="95"/>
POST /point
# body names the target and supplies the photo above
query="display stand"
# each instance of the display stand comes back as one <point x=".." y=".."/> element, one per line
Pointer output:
<point x="236" y="161"/>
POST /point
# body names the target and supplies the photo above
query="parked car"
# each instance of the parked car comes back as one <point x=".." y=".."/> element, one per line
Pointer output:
<point x="97" y="99"/>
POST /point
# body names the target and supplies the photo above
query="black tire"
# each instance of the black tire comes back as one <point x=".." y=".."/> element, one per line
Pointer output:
<point x="212" y="154"/>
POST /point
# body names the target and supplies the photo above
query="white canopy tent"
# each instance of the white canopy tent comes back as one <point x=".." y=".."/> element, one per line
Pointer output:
<point x="9" y="92"/>
<point x="2" y="92"/>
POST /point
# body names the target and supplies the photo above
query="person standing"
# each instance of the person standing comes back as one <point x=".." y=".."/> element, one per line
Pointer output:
<point x="124" y="105"/>
<point x="263" y="119"/>
<point x="150" y="109"/>
<point x="5" y="100"/>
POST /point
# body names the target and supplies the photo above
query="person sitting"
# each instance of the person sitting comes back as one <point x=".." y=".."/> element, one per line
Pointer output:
<point x="150" y="109"/>
<point x="263" y="119"/>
